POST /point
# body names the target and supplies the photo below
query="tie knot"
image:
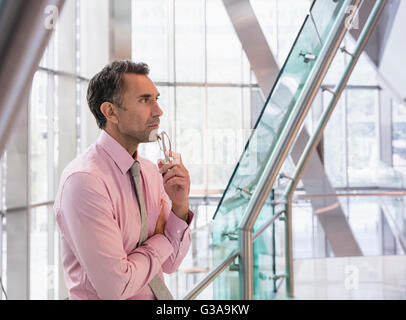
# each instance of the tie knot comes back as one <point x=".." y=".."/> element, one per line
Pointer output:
<point x="135" y="169"/>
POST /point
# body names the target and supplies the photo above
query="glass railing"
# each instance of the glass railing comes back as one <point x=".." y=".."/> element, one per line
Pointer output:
<point x="294" y="75"/>
<point x="375" y="217"/>
<point x="394" y="208"/>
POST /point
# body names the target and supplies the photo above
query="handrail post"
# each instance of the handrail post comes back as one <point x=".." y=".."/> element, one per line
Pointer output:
<point x="289" y="247"/>
<point x="273" y="241"/>
<point x="246" y="272"/>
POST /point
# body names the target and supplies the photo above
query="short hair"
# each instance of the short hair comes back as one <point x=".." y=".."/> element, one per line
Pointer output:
<point x="108" y="86"/>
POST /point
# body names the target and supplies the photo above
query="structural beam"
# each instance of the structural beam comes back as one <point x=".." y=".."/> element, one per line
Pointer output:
<point x="28" y="27"/>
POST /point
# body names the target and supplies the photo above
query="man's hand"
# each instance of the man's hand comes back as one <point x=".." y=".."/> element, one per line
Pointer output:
<point x="177" y="184"/>
<point x="160" y="224"/>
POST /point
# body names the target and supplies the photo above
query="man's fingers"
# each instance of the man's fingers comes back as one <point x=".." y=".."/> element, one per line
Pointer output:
<point x="176" y="171"/>
<point x="181" y="181"/>
<point x="164" y="168"/>
<point x="160" y="163"/>
<point x="177" y="158"/>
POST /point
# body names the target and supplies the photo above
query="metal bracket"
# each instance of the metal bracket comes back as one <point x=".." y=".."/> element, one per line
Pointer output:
<point x="245" y="190"/>
<point x="284" y="176"/>
<point x="278" y="276"/>
<point x="325" y="88"/>
<point x="307" y="56"/>
<point x="234" y="266"/>
<point x="233" y="235"/>
<point x="344" y="49"/>
<point x="275" y="203"/>
<point x="275" y="277"/>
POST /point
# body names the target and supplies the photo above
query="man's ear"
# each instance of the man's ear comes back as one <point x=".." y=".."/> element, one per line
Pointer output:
<point x="109" y="110"/>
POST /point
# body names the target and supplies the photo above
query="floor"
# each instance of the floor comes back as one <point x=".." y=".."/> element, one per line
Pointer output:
<point x="352" y="278"/>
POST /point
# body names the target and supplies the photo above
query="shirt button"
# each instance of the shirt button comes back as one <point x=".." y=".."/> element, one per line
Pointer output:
<point x="177" y="231"/>
<point x="180" y="252"/>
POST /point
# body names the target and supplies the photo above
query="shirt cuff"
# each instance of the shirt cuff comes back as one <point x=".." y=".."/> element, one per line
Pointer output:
<point x="161" y="245"/>
<point x="175" y="227"/>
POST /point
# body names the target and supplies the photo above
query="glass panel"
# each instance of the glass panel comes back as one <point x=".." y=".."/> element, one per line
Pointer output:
<point x="196" y="264"/>
<point x="362" y="135"/>
<point x="225" y="136"/>
<point x="369" y="221"/>
<point x="305" y="230"/>
<point x="224" y="52"/>
<point x="87" y="129"/>
<point x="324" y="14"/>
<point x="190" y="124"/>
<point x="364" y="72"/>
<point x="283" y="97"/>
<point x="66" y="38"/>
<point x="39" y="107"/>
<point x="150" y="41"/>
<point x="369" y="218"/>
<point x="65" y="138"/>
<point x="39" y="253"/>
<point x="334" y="143"/>
<point x="93" y="37"/>
<point x="399" y="135"/>
<point x="395" y="211"/>
<point x="290" y="16"/>
<point x="189" y="39"/>
<point x="48" y="58"/>
<point x="259" y="148"/>
<point x="336" y="70"/>
<point x="267" y="15"/>
<point x="269" y="257"/>
<point x="364" y="222"/>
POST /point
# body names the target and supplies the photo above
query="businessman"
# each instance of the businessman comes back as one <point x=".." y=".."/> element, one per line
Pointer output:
<point x="123" y="220"/>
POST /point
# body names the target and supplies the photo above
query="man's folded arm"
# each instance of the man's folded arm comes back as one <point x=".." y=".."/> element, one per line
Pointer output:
<point x="178" y="232"/>
<point x="88" y="224"/>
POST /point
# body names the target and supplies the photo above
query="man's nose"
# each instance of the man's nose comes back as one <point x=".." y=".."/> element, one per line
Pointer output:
<point x="157" y="110"/>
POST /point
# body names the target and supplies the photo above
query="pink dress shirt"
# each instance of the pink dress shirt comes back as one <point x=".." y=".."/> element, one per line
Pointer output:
<point x="99" y="221"/>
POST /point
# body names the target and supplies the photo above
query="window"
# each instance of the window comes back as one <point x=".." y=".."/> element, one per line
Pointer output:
<point x="61" y="126"/>
<point x="399" y="136"/>
<point x="199" y="67"/>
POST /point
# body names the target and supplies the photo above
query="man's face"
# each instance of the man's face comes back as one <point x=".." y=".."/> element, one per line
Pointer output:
<point x="139" y="111"/>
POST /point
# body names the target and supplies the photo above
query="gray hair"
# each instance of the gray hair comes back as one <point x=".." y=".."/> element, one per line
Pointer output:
<point x="108" y="86"/>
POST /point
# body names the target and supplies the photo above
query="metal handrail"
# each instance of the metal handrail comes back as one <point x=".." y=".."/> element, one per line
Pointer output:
<point x="266" y="225"/>
<point x="282" y="147"/>
<point x="202" y="284"/>
<point x="34" y="205"/>
<point x="315" y="138"/>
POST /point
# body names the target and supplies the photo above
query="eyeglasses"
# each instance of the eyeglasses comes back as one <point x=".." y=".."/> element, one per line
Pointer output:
<point x="165" y="145"/>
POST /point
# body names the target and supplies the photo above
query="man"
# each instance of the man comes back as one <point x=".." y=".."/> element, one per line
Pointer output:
<point x="97" y="206"/>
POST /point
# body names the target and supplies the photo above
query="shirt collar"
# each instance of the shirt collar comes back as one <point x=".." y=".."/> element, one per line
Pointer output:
<point x="116" y="151"/>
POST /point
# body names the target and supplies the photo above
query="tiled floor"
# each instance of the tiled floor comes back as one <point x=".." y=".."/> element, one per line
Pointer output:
<point x="364" y="278"/>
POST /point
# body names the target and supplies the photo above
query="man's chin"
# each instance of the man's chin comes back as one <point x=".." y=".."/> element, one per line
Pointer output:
<point x="153" y="135"/>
